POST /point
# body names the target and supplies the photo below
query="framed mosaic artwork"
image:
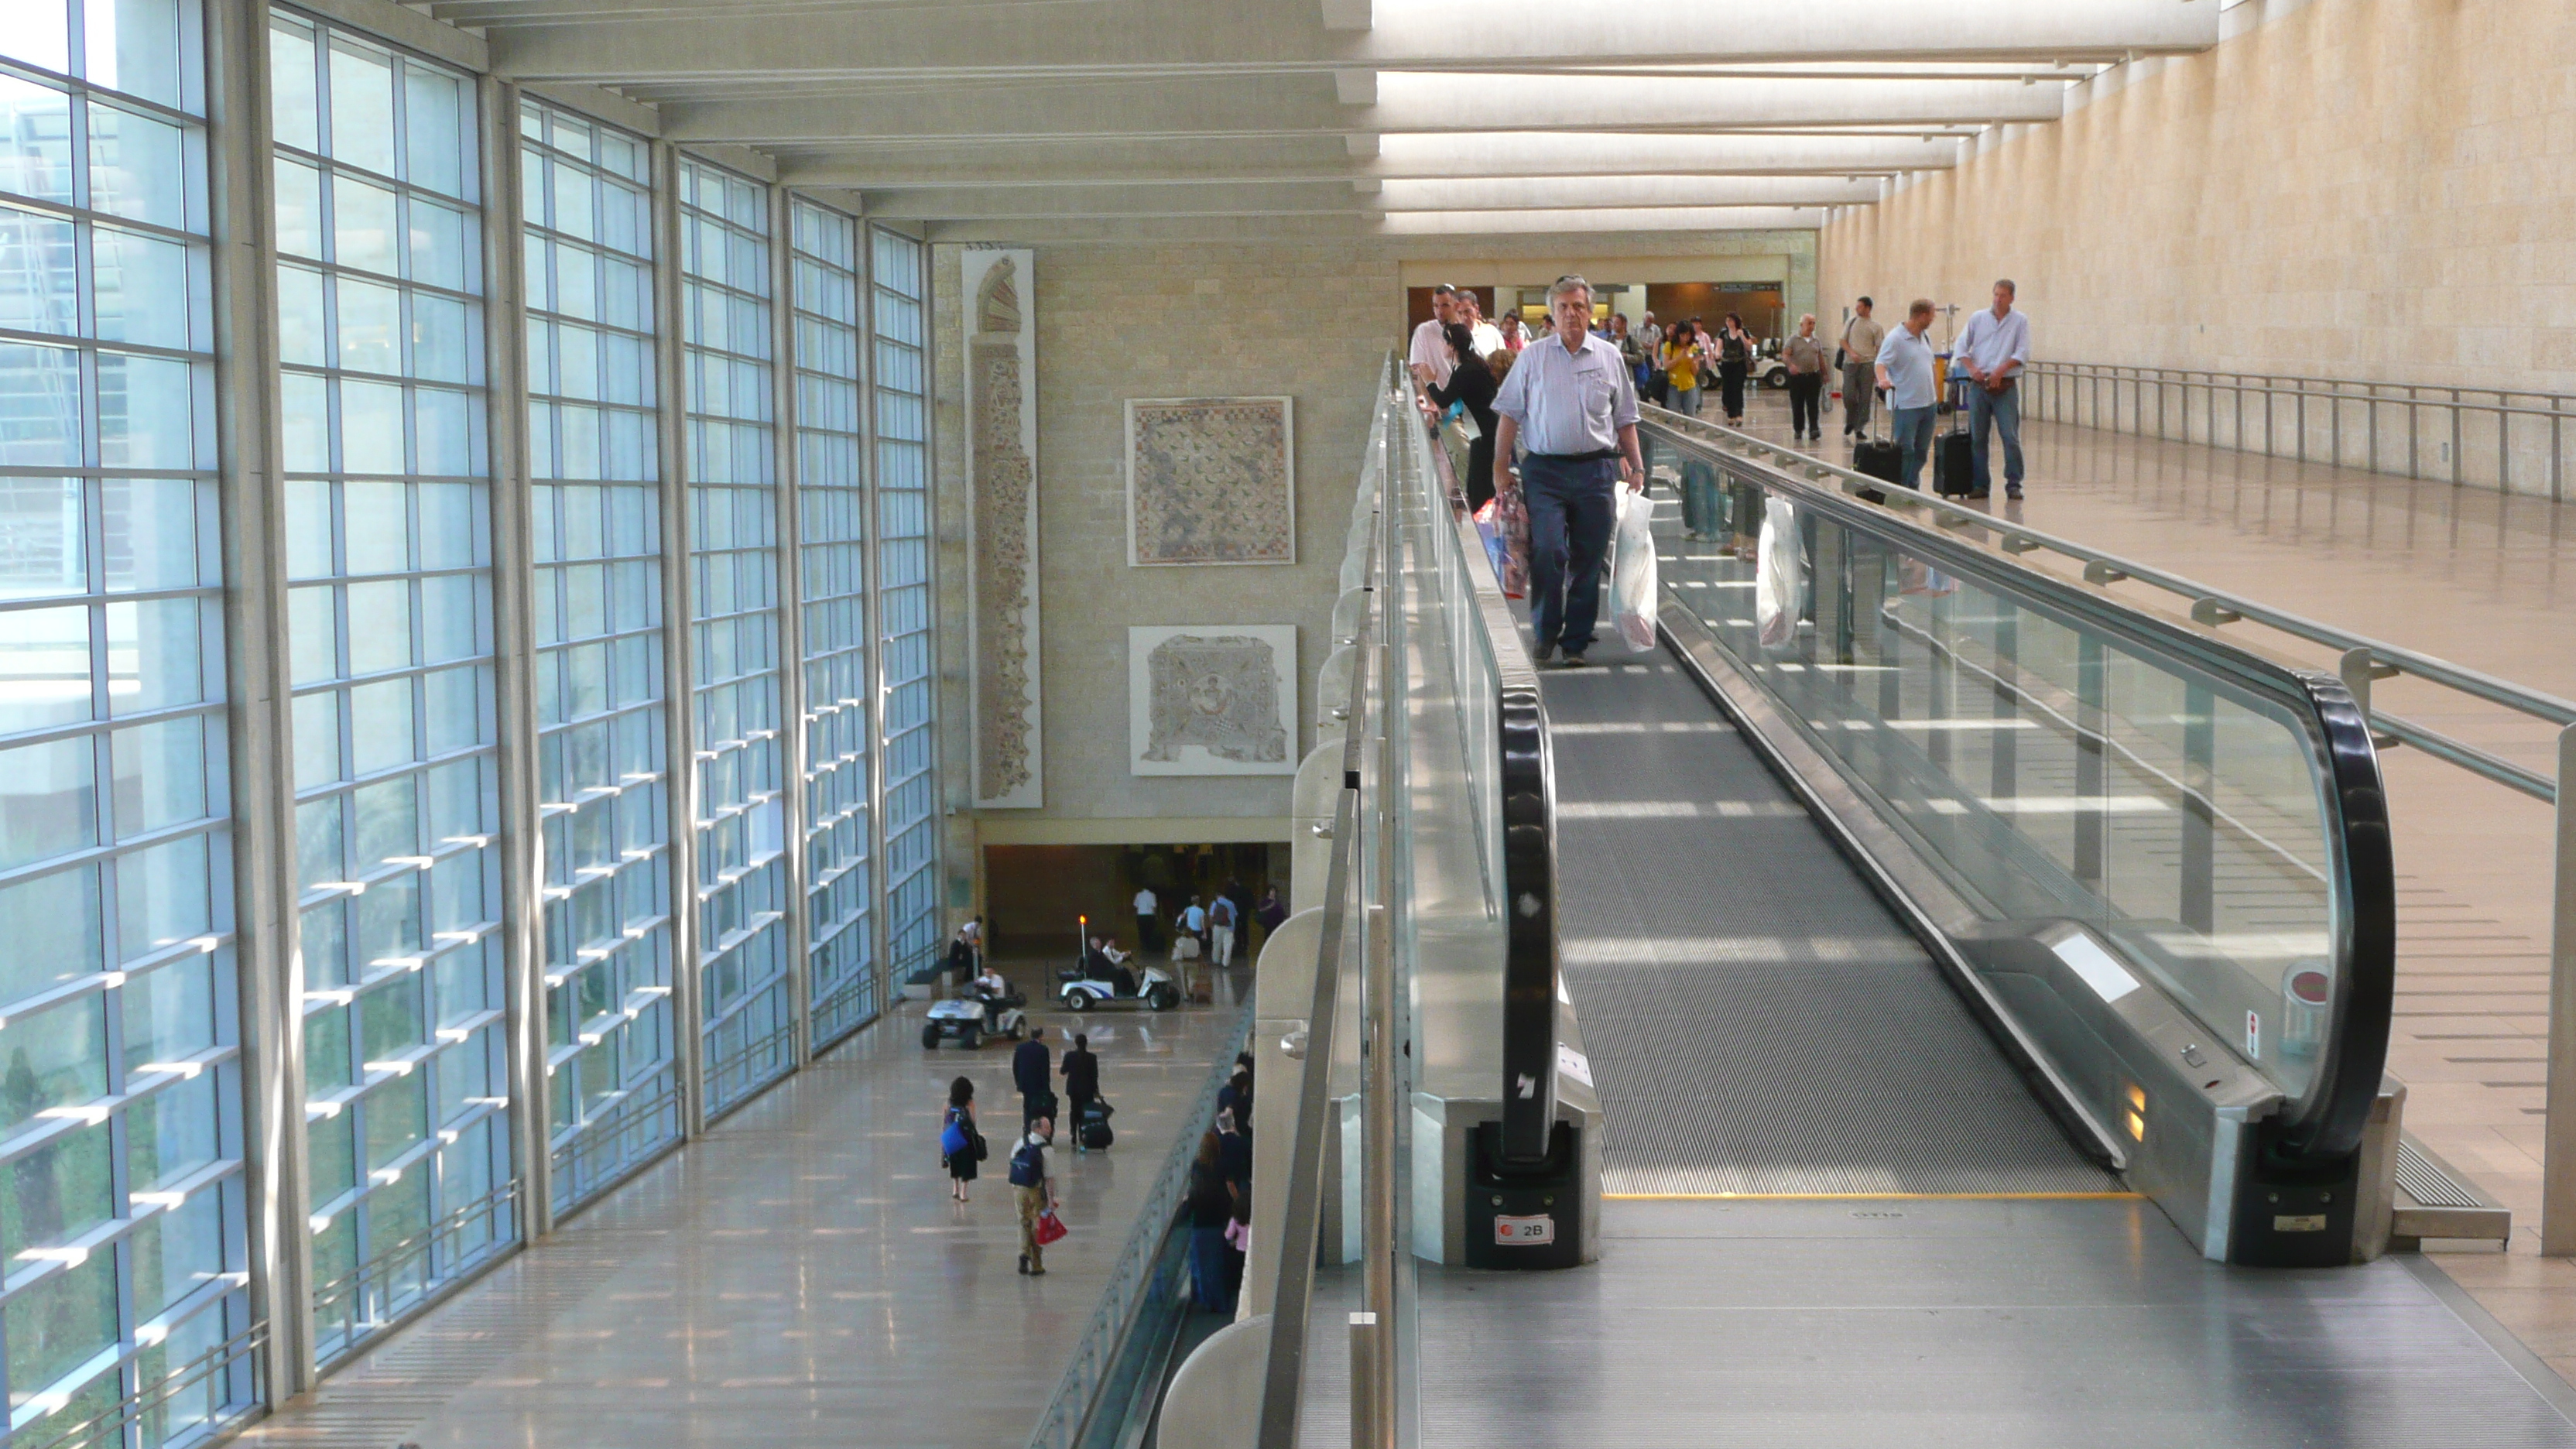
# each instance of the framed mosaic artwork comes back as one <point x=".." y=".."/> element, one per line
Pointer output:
<point x="1211" y="480"/>
<point x="1212" y="699"/>
<point x="1002" y="467"/>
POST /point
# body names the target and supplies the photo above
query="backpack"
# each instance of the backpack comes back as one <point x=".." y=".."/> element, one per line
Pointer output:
<point x="1024" y="1167"/>
<point x="952" y="1138"/>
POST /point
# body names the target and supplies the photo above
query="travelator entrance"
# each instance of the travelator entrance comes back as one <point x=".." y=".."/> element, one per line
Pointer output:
<point x="1959" y="992"/>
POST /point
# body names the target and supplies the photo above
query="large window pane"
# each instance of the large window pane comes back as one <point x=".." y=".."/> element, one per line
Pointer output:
<point x="602" y="753"/>
<point x="121" y="1191"/>
<point x="740" y="807"/>
<point x="832" y="581"/>
<point x="394" y="576"/>
<point x="904" y="603"/>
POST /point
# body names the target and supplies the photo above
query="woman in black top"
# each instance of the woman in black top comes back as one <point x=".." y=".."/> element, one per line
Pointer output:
<point x="1471" y="383"/>
<point x="1734" y="362"/>
<point x="1211" y="1205"/>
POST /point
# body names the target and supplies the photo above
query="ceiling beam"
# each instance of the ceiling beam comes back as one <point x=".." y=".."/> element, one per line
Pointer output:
<point x="1663" y="218"/>
<point x="1291" y="159"/>
<point x="1576" y="153"/>
<point x="1406" y="101"/>
<point x="1000" y="203"/>
<point x="1622" y="192"/>
<point x="644" y="41"/>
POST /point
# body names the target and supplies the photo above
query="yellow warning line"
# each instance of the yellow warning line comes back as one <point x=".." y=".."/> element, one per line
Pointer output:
<point x="1872" y="1196"/>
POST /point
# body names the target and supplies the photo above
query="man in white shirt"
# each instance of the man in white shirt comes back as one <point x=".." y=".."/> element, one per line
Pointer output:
<point x="1904" y="368"/>
<point x="1149" y="921"/>
<point x="1489" y="338"/>
<point x="1861" y="336"/>
<point x="1429" y="349"/>
<point x="1577" y="404"/>
<point x="1995" y="348"/>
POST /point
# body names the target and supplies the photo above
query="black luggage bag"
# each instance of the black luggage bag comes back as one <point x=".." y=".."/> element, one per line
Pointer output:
<point x="1954" y="455"/>
<point x="1095" y="1130"/>
<point x="1879" y="458"/>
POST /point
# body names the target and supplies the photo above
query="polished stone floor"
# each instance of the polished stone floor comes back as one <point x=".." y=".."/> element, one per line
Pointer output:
<point x="798" y="1277"/>
<point x="2462" y="573"/>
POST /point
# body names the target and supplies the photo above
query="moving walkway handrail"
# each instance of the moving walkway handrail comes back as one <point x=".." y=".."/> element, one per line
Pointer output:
<point x="1528" y="815"/>
<point x="2327" y="1119"/>
<point x="2218" y="607"/>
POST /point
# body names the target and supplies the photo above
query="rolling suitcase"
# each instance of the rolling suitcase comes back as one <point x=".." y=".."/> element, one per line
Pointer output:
<point x="1879" y="458"/>
<point x="1954" y="456"/>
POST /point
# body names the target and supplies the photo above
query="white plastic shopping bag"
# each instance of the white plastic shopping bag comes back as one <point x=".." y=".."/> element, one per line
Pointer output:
<point x="1779" y="576"/>
<point x="1632" y="572"/>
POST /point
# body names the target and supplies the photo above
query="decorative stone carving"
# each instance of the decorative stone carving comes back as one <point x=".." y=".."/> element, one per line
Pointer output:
<point x="1001" y="462"/>
<point x="1212" y="699"/>
<point x="1211" y="480"/>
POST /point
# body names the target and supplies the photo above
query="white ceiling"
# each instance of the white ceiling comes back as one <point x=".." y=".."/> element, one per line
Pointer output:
<point x="1403" y="116"/>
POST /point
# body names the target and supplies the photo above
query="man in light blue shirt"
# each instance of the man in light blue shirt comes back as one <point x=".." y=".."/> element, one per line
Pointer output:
<point x="1994" y="349"/>
<point x="1572" y="400"/>
<point x="1905" y="370"/>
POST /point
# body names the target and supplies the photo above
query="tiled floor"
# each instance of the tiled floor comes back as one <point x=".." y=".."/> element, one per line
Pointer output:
<point x="798" y="1277"/>
<point x="2457" y="572"/>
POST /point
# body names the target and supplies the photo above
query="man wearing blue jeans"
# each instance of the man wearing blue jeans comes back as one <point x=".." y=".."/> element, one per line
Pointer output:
<point x="1578" y="404"/>
<point x="1905" y="370"/>
<point x="1995" y="348"/>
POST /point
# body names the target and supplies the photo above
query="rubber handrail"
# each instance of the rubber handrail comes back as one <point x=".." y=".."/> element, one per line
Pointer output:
<point x="1528" y="765"/>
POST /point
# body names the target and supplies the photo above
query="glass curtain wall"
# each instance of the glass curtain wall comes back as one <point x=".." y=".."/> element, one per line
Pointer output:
<point x="603" y="757"/>
<point x="832" y="543"/>
<point x="389" y="621"/>
<point x="124" y="1308"/>
<point x="740" y="805"/>
<point x="901" y="276"/>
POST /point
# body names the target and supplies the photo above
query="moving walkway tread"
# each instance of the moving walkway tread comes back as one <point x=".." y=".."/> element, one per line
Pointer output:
<point x="1758" y="1021"/>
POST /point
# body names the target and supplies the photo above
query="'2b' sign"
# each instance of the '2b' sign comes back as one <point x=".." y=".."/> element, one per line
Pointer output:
<point x="1524" y="1232"/>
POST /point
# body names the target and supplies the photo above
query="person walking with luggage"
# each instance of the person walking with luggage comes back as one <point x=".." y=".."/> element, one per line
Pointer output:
<point x="1905" y="370"/>
<point x="1995" y="347"/>
<point x="1081" y="1083"/>
<point x="1806" y="358"/>
<point x="1029" y="1073"/>
<point x="1211" y="1206"/>
<point x="1650" y="344"/>
<point x="1036" y="1194"/>
<point x="959" y="1141"/>
<point x="1861" y="338"/>
<point x="1579" y="409"/>
<point x="1735" y="350"/>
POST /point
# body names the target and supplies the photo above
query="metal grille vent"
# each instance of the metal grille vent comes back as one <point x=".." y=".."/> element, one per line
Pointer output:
<point x="2430" y="1185"/>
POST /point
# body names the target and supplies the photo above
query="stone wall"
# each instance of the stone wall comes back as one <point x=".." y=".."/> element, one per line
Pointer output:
<point x="1115" y="322"/>
<point x="2375" y="189"/>
<point x="1232" y="312"/>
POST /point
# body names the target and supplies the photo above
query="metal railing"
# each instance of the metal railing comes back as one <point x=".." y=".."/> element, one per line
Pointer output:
<point x="2362" y="661"/>
<point x="1074" y="1408"/>
<point x="350" y="1310"/>
<point x="2511" y="439"/>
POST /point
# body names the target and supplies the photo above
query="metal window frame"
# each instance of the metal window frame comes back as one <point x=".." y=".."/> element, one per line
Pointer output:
<point x="275" y="1354"/>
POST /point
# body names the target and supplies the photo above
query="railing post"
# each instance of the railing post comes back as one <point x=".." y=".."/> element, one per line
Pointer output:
<point x="2558" y="1159"/>
<point x="2455" y="435"/>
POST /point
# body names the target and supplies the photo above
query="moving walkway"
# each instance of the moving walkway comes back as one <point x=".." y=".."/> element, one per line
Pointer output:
<point x="1968" y="1001"/>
